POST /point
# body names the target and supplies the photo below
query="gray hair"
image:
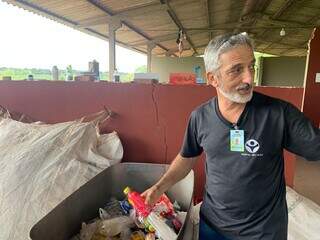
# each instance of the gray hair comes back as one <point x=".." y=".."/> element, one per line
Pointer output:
<point x="222" y="44"/>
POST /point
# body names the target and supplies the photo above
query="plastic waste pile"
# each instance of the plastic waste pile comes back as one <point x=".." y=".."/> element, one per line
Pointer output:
<point x="132" y="219"/>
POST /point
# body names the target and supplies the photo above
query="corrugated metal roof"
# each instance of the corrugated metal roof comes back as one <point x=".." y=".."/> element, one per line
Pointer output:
<point x="159" y="21"/>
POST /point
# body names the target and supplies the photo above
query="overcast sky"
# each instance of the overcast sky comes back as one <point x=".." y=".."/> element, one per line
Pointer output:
<point x="31" y="41"/>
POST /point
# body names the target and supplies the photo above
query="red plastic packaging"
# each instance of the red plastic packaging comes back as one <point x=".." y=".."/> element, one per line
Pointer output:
<point x="137" y="202"/>
<point x="164" y="206"/>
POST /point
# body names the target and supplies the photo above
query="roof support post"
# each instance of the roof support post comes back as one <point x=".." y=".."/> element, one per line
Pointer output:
<point x="114" y="24"/>
<point x="150" y="46"/>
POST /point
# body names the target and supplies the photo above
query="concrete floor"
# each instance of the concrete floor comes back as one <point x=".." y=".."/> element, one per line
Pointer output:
<point x="307" y="179"/>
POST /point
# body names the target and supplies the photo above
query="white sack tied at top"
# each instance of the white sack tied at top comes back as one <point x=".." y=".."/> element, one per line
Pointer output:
<point x="42" y="164"/>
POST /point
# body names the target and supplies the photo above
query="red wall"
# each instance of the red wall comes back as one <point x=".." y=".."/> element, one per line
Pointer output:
<point x="312" y="89"/>
<point x="150" y="119"/>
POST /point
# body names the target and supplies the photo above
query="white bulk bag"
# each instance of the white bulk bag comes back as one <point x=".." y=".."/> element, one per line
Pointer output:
<point x="42" y="164"/>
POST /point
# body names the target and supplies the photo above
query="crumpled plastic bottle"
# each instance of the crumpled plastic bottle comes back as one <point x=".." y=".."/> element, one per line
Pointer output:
<point x="137" y="202"/>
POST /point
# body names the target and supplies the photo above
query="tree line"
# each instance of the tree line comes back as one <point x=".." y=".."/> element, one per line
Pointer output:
<point x="46" y="74"/>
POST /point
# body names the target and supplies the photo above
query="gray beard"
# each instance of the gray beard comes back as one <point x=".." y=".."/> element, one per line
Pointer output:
<point x="235" y="97"/>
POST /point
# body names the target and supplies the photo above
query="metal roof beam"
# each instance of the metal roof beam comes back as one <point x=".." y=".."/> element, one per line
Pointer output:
<point x="283" y="44"/>
<point x="248" y="8"/>
<point x="252" y="27"/>
<point x="267" y="19"/>
<point x="189" y="48"/>
<point x="123" y="14"/>
<point x="104" y="37"/>
<point x="142" y="9"/>
<point x="283" y="52"/>
<point x="175" y="19"/>
<point x="196" y="31"/>
<point x="280" y="11"/>
<point x="283" y="8"/>
<point x="163" y="38"/>
<point x="191" y="32"/>
<point x="133" y="28"/>
<point x="252" y="9"/>
<point x="94" y="21"/>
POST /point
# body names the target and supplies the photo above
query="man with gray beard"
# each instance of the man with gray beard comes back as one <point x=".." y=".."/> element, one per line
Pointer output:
<point x="243" y="134"/>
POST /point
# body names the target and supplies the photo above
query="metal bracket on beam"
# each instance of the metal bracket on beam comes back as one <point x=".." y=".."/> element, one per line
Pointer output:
<point x="169" y="53"/>
<point x="115" y="23"/>
<point x="150" y="46"/>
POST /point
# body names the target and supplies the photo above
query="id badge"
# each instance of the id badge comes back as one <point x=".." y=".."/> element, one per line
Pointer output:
<point x="237" y="140"/>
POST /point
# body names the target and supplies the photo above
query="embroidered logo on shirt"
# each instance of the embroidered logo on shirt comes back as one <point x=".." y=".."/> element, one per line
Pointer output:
<point x="252" y="146"/>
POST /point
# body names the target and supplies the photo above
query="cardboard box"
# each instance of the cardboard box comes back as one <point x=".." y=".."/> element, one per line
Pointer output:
<point x="65" y="220"/>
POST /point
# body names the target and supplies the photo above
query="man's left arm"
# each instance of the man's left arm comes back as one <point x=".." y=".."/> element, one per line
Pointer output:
<point x="301" y="136"/>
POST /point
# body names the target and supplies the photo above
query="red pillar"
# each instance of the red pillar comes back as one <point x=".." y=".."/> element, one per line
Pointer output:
<point x="311" y="99"/>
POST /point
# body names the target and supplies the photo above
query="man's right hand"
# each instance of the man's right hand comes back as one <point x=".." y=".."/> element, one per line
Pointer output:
<point x="151" y="195"/>
<point x="178" y="169"/>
